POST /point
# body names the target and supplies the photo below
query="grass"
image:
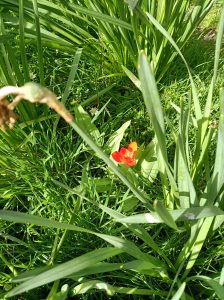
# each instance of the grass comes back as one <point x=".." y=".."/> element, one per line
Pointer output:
<point x="60" y="178"/>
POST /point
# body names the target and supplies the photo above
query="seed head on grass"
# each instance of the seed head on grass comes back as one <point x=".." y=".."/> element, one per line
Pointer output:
<point x="33" y="93"/>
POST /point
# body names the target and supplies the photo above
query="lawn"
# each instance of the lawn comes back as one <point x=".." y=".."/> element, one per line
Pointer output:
<point x="111" y="149"/>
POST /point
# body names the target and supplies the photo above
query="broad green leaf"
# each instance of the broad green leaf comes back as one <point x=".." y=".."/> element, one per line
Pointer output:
<point x="132" y="77"/>
<point x="166" y="34"/>
<point x="221" y="280"/>
<point x="145" y="267"/>
<point x="130" y="248"/>
<point x="19" y="217"/>
<point x="24" y="276"/>
<point x="65" y="269"/>
<point x="62" y="295"/>
<point x="187" y="193"/>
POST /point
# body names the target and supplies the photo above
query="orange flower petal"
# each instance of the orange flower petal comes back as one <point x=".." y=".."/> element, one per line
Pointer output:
<point x="133" y="146"/>
<point x="116" y="156"/>
<point x="126" y="155"/>
<point x="129" y="162"/>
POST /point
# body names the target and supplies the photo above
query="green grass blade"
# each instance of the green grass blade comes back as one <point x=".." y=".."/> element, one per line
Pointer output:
<point x="197" y="107"/>
<point x="22" y="41"/>
<point x="96" y="96"/>
<point x="154" y="108"/>
<point x="137" y="230"/>
<point x="199" y="239"/>
<point x="215" y="285"/>
<point x="218" y="46"/>
<point x="39" y="43"/>
<point x="179" y="292"/>
<point x="164" y="214"/>
<point x="217" y="179"/>
<point x="187" y="214"/>
<point x="19" y="217"/>
<point x="69" y="83"/>
<point x="113" y="290"/>
<point x="65" y="269"/>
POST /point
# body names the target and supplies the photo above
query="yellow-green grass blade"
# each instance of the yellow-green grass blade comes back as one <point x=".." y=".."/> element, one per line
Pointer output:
<point x="179" y="292"/>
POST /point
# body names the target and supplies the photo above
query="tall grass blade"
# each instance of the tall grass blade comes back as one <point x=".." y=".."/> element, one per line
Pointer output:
<point x="22" y="43"/>
<point x="65" y="269"/>
<point x="179" y="292"/>
<point x="39" y="43"/>
<point x="69" y="83"/>
<point x="166" y="34"/>
<point x="215" y="285"/>
<point x="154" y="108"/>
<point x="216" y="183"/>
<point x="164" y="214"/>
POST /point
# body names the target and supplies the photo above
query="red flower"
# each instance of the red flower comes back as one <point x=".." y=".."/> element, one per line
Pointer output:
<point x="126" y="155"/>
